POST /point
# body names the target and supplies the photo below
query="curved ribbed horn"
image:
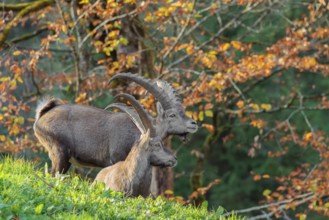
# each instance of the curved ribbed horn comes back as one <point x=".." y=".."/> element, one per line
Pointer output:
<point x="148" y="85"/>
<point x="131" y="113"/>
<point x="171" y="93"/>
<point x="143" y="114"/>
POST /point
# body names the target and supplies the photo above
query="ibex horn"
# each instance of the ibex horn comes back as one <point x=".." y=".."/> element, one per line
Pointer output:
<point x="131" y="113"/>
<point x="143" y="114"/>
<point x="148" y="85"/>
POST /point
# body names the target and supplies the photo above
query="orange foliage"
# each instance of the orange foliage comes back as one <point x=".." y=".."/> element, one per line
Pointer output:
<point x="214" y="75"/>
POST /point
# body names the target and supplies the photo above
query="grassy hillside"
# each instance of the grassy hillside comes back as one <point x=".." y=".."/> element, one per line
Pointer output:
<point x="28" y="193"/>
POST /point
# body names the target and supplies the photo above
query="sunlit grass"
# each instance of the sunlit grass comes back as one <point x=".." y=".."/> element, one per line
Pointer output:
<point x="29" y="193"/>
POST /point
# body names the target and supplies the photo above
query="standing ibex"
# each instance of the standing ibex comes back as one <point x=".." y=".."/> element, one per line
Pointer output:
<point x="133" y="175"/>
<point x="96" y="137"/>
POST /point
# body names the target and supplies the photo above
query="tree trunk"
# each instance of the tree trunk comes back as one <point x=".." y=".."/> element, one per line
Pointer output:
<point x="197" y="174"/>
<point x="162" y="178"/>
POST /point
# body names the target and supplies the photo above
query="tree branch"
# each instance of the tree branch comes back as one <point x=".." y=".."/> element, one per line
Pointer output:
<point x="219" y="32"/>
<point x="29" y="35"/>
<point x="180" y="35"/>
<point x="304" y="197"/>
<point x="104" y="23"/>
<point x="31" y="7"/>
<point x="258" y="21"/>
<point x="14" y="7"/>
<point x="74" y="48"/>
<point x="252" y="85"/>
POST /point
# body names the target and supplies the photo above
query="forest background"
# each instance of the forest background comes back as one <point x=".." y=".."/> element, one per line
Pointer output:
<point x="252" y="73"/>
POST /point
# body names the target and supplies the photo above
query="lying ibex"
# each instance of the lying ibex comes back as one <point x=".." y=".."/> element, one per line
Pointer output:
<point x="133" y="175"/>
<point x="96" y="137"/>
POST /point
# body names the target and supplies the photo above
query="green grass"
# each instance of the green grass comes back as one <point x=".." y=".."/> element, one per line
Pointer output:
<point x="26" y="192"/>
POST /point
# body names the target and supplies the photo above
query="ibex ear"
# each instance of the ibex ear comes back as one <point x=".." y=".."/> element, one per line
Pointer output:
<point x="160" y="110"/>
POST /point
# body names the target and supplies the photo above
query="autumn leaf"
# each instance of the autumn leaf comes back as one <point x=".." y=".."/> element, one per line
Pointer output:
<point x="258" y="123"/>
<point x="13" y="84"/>
<point x="323" y="2"/>
<point x="19" y="79"/>
<point x="130" y="1"/>
<point x="236" y="44"/>
<point x="176" y="85"/>
<point x="266" y="107"/>
<point x="254" y="106"/>
<point x="4" y="79"/>
<point x="302" y="217"/>
<point x="201" y="116"/>
<point x="14" y="130"/>
<point x="169" y="192"/>
<point x="208" y="106"/>
<point x="266" y="192"/>
<point x="17" y="52"/>
<point x="64" y="28"/>
<point x="123" y="40"/>
<point x="209" y="127"/>
<point x="113" y="34"/>
<point x="150" y="17"/>
<point x="257" y="177"/>
<point x="83" y="2"/>
<point x="189" y="49"/>
<point x="308" y="136"/>
<point x="189" y="114"/>
<point x="308" y="62"/>
<point x="209" y="113"/>
<point x="214" y="83"/>
<point x="240" y="104"/>
<point x="81" y="97"/>
<point x="266" y="176"/>
<point x="2" y="138"/>
<point x="225" y="46"/>
<point x="19" y="120"/>
<point x="281" y="188"/>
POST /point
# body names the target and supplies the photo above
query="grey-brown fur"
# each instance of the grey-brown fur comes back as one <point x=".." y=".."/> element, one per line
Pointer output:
<point x="95" y="137"/>
<point x="89" y="135"/>
<point x="133" y="175"/>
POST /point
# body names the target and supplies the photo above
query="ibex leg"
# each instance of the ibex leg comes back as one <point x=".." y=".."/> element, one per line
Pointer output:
<point x="60" y="160"/>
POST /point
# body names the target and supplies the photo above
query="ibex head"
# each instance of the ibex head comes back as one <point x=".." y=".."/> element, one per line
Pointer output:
<point x="174" y="113"/>
<point x="159" y="155"/>
<point x="170" y="111"/>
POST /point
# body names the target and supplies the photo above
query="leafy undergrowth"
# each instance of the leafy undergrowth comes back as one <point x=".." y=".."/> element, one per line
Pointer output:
<point x="29" y="193"/>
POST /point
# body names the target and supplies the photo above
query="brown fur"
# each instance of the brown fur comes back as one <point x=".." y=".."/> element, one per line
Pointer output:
<point x="45" y="105"/>
<point x="133" y="175"/>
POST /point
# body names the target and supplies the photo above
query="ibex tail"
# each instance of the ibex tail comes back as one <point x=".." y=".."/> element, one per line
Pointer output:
<point x="45" y="105"/>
